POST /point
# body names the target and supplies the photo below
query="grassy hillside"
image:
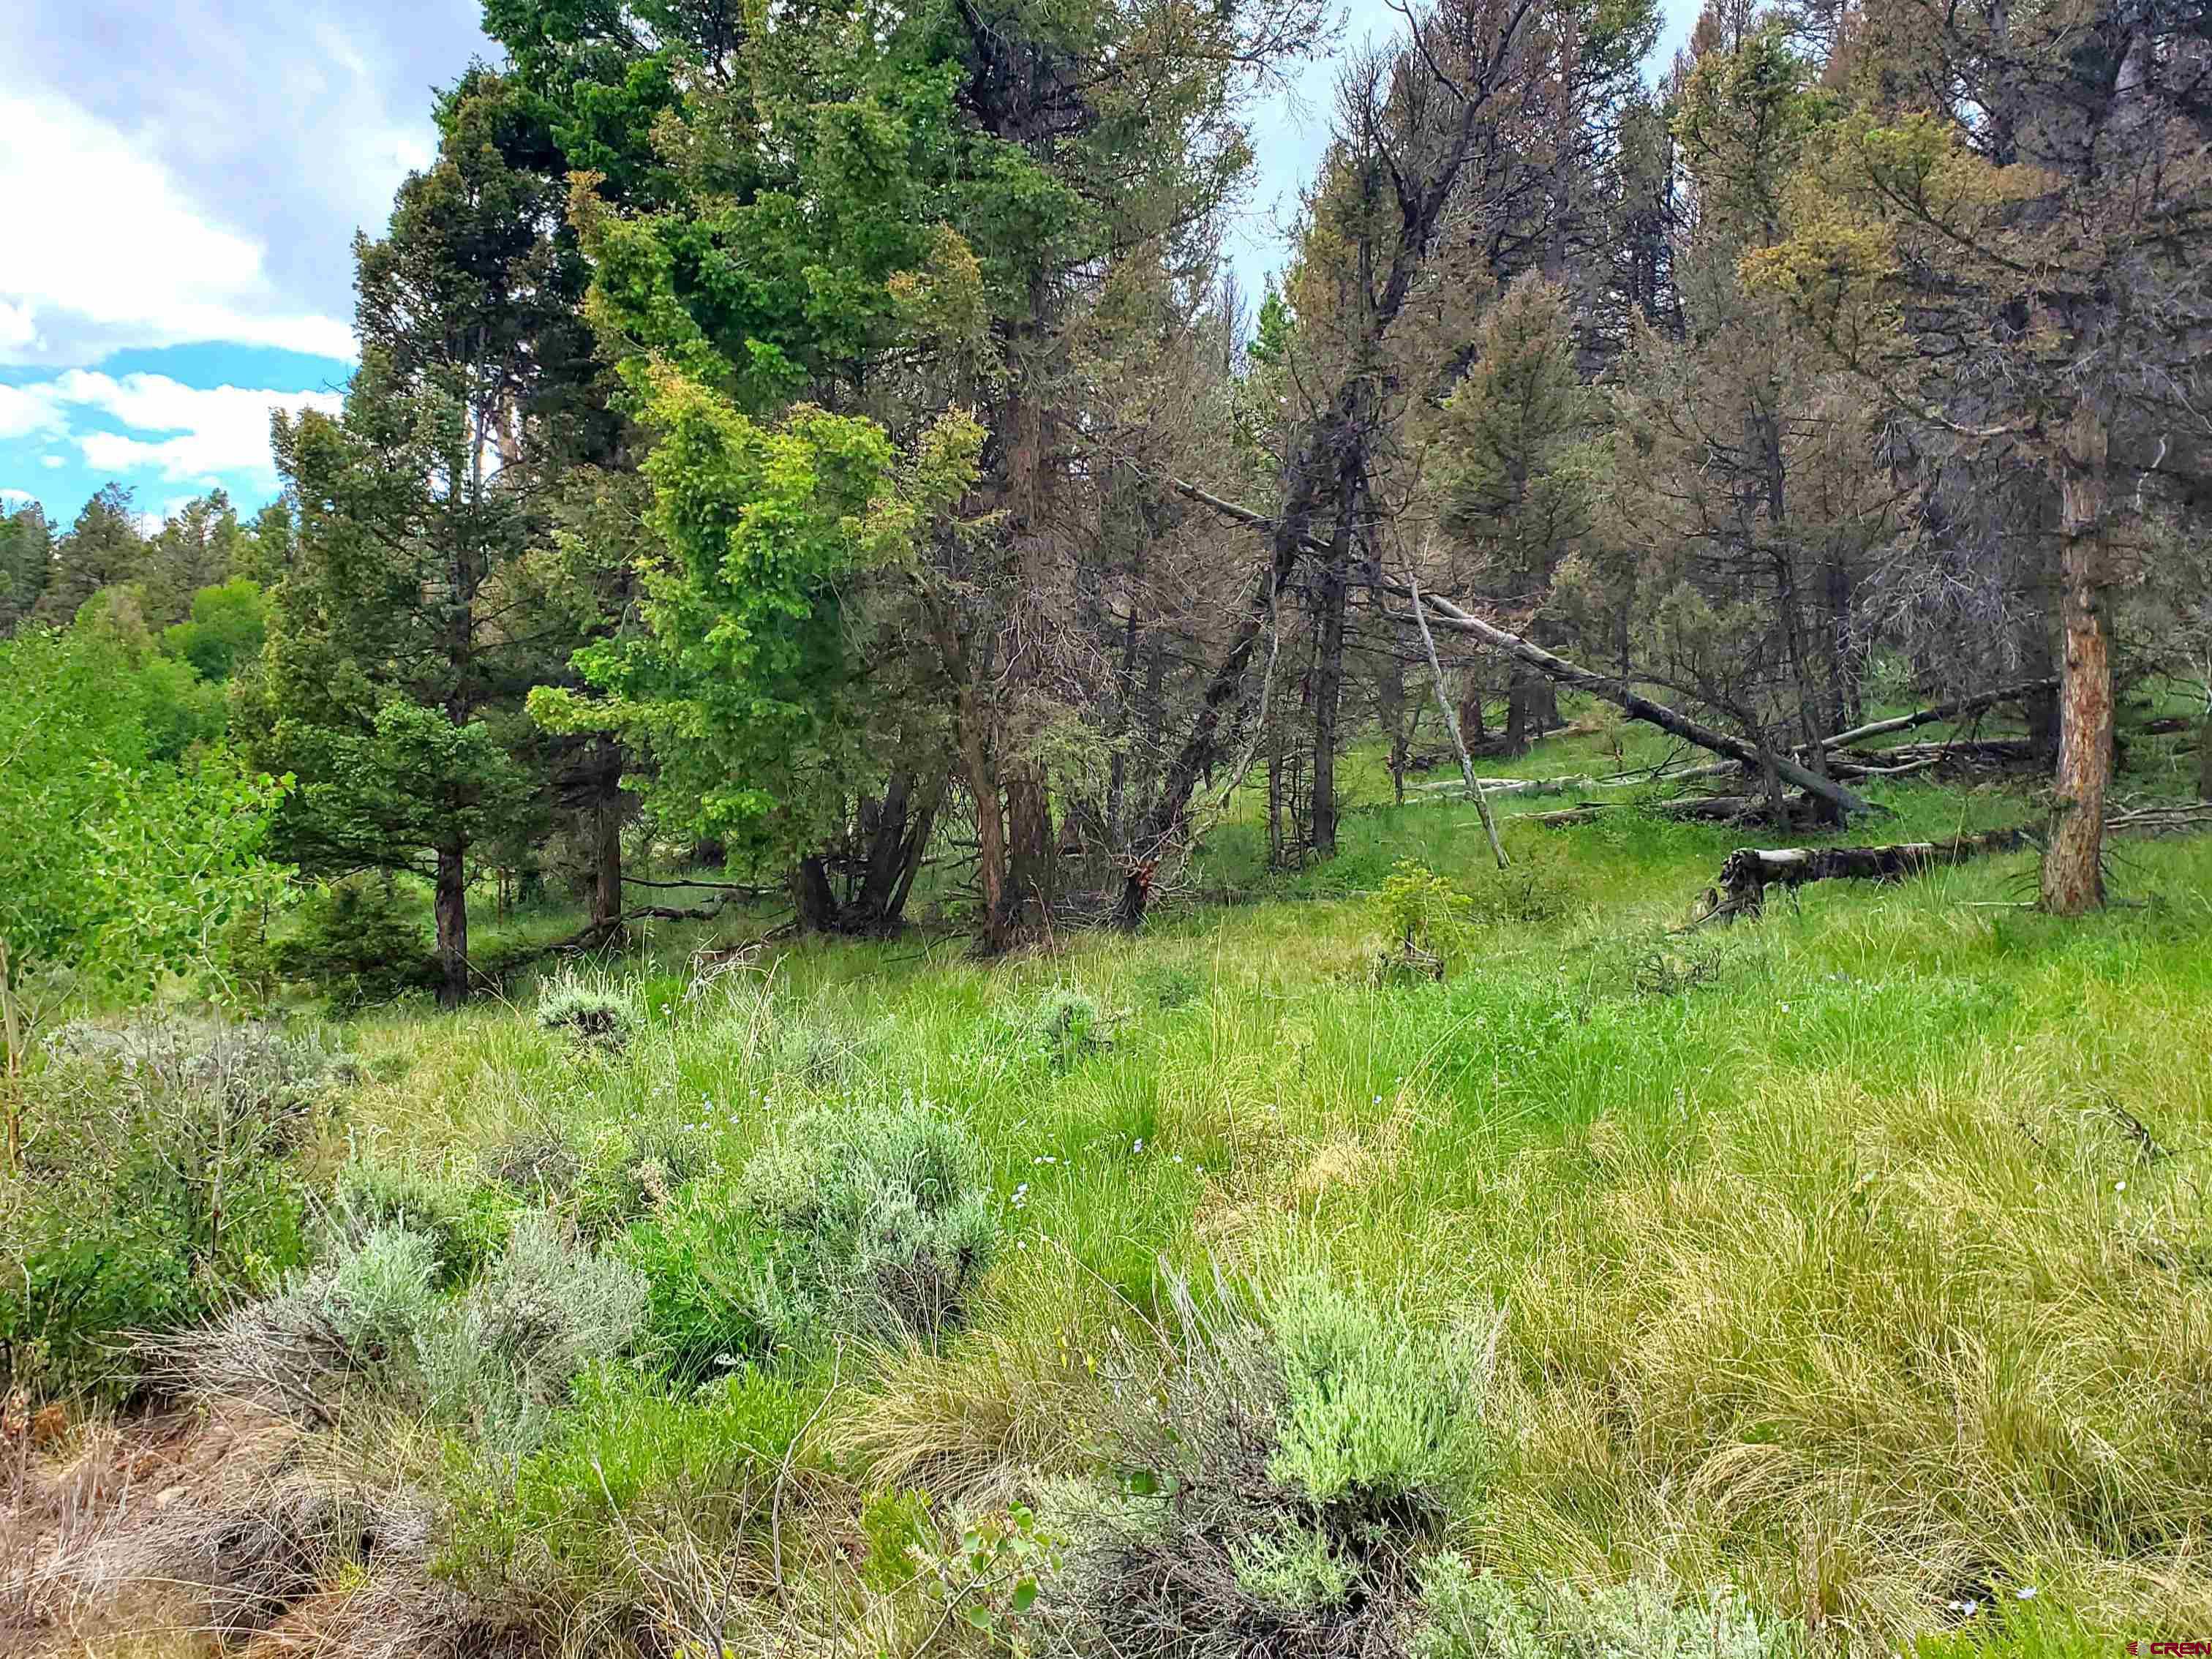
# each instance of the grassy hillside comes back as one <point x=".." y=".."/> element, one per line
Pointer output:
<point x="1837" y="1282"/>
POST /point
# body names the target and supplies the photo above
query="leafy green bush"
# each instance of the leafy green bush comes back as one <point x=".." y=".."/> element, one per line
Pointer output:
<point x="1278" y="1484"/>
<point x="593" y="1014"/>
<point x="378" y="1297"/>
<point x="1169" y="985"/>
<point x="1469" y="1615"/>
<point x="897" y="1527"/>
<point x="1374" y="1412"/>
<point x="710" y="1263"/>
<point x="1539" y="885"/>
<point x="467" y="1226"/>
<point x="1423" y="919"/>
<point x="502" y="1356"/>
<point x="357" y="944"/>
<point x="632" y="1167"/>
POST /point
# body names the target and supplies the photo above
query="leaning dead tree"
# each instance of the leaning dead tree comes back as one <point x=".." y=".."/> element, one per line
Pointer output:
<point x="1614" y="690"/>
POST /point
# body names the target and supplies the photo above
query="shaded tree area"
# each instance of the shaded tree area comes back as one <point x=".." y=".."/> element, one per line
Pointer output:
<point x="831" y="440"/>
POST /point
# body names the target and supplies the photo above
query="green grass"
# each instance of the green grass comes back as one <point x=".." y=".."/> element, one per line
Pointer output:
<point x="1870" y="1271"/>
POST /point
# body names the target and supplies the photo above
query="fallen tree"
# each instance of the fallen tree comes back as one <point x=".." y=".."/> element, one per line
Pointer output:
<point x="1957" y="709"/>
<point x="1748" y="871"/>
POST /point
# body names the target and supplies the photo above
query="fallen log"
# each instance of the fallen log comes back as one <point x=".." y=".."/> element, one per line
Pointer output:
<point x="1748" y="871"/>
<point x="1289" y="538"/>
<point x="1987" y="750"/>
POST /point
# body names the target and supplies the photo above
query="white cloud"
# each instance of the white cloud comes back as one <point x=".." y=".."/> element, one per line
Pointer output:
<point x="24" y="411"/>
<point x="183" y="434"/>
<point x="23" y="495"/>
<point x="51" y="461"/>
<point x="106" y="250"/>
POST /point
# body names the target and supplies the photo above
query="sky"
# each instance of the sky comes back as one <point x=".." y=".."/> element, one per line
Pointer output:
<point x="180" y="182"/>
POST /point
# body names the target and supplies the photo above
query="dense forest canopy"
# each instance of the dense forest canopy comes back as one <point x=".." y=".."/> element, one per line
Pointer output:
<point x="825" y="435"/>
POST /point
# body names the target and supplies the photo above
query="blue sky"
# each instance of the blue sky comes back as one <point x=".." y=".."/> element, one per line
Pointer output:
<point x="179" y="184"/>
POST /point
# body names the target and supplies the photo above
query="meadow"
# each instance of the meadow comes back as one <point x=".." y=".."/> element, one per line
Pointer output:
<point x="1836" y="1282"/>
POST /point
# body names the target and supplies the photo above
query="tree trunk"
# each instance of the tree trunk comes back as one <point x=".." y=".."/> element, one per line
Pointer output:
<point x="11" y="1075"/>
<point x="1328" y="678"/>
<point x="812" y="897"/>
<point x="2204" y="757"/>
<point x="1470" y="717"/>
<point x="606" y="853"/>
<point x="1025" y="903"/>
<point x="450" y="904"/>
<point x="897" y="838"/>
<point x="2073" y="858"/>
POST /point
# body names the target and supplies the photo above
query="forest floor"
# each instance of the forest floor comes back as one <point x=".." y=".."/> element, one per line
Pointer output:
<point x="1857" y="1258"/>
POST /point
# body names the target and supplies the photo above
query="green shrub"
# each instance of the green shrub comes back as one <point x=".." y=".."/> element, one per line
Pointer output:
<point x="1055" y="1029"/>
<point x="1168" y="986"/>
<point x="593" y="1014"/>
<point x="708" y="1262"/>
<point x="1539" y="885"/>
<point x="1295" y="1570"/>
<point x="357" y="944"/>
<point x="1375" y="1409"/>
<point x="1279" y="1482"/>
<point x="467" y="1226"/>
<point x="500" y="1357"/>
<point x="1424" y="920"/>
<point x="540" y="1165"/>
<point x="886" y="1230"/>
<point x="630" y="1169"/>
<point x="896" y="1528"/>
<point x="1469" y="1615"/>
<point x="380" y="1295"/>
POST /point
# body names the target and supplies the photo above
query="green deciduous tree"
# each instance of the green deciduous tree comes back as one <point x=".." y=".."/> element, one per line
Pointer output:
<point x="116" y="865"/>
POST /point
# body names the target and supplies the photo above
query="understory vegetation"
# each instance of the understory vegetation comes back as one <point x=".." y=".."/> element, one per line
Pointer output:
<point x="1837" y="1282"/>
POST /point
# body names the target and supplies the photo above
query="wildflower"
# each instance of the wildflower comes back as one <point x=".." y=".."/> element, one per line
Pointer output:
<point x="1140" y="1146"/>
<point x="1785" y="1007"/>
<point x="2025" y="1593"/>
<point x="2119" y="1186"/>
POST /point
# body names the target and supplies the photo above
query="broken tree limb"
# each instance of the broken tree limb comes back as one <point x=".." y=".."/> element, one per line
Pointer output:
<point x="1955" y="710"/>
<point x="1748" y="871"/>
<point x="1612" y="689"/>
<point x="1918" y="757"/>
<point x="1451" y="723"/>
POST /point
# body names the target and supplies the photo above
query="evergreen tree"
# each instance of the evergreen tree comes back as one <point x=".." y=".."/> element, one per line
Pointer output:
<point x="102" y="549"/>
<point x="26" y="558"/>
